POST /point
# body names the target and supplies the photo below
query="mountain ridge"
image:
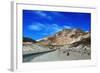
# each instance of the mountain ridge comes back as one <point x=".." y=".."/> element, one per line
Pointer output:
<point x="66" y="36"/>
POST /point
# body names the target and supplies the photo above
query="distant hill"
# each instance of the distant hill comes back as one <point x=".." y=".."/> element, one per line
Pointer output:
<point x="27" y="39"/>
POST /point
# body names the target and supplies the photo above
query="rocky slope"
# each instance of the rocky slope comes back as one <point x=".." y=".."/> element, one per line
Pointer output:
<point x="68" y="37"/>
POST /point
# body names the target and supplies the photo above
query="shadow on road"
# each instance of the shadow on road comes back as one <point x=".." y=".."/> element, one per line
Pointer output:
<point x="29" y="57"/>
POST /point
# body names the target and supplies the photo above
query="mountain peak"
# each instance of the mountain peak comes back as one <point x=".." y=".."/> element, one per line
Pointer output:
<point x="66" y="36"/>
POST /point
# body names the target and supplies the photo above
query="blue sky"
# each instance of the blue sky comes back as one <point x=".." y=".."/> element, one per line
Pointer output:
<point x="40" y="24"/>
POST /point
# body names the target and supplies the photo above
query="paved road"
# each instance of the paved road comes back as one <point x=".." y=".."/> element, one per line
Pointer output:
<point x="30" y="57"/>
<point x="56" y="55"/>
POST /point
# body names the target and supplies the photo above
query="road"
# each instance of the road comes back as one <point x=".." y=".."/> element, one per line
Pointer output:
<point x="55" y="55"/>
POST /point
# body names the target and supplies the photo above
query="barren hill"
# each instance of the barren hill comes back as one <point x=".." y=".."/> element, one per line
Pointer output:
<point x="67" y="36"/>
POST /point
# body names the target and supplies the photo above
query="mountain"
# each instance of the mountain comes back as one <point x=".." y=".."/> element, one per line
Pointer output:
<point x="84" y="41"/>
<point x="67" y="36"/>
<point x="27" y="39"/>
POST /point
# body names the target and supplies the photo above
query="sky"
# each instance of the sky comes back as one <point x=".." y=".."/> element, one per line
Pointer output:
<point x="40" y="24"/>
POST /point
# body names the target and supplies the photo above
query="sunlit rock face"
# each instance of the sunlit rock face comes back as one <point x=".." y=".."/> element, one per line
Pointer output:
<point x="66" y="36"/>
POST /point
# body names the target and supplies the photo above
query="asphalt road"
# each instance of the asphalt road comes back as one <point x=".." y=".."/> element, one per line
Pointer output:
<point x="55" y="55"/>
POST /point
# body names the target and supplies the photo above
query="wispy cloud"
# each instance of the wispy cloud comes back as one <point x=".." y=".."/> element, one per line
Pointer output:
<point x="36" y="26"/>
<point x="43" y="14"/>
<point x="45" y="29"/>
<point x="67" y="27"/>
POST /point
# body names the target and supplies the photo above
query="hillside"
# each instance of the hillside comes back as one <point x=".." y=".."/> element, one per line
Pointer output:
<point x="66" y="36"/>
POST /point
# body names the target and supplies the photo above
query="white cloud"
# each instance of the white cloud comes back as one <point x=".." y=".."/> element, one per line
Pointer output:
<point x="67" y="27"/>
<point x="36" y="26"/>
<point x="43" y="14"/>
<point x="47" y="28"/>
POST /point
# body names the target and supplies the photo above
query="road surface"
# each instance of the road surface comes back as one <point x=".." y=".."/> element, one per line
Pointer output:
<point x="55" y="55"/>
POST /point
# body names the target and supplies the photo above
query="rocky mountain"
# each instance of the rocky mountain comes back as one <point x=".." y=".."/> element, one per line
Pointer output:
<point x="67" y="37"/>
